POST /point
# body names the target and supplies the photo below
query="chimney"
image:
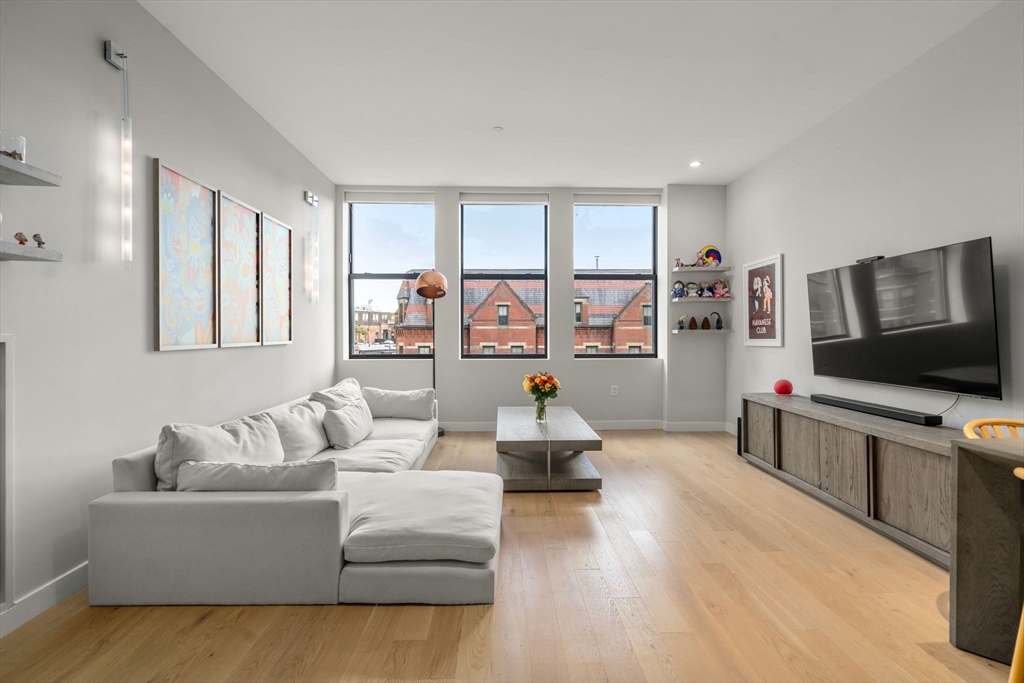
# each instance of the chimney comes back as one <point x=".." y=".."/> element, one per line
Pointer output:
<point x="597" y="262"/>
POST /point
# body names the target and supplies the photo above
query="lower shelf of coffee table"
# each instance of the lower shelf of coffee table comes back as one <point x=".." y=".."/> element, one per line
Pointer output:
<point x="529" y="472"/>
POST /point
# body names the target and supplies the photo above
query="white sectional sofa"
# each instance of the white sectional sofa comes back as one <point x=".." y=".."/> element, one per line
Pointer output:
<point x="387" y="532"/>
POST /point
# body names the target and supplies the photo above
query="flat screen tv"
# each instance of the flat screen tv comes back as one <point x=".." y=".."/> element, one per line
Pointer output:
<point x="925" y="320"/>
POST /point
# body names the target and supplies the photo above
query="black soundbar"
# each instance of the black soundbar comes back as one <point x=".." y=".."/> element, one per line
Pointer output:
<point x="926" y="419"/>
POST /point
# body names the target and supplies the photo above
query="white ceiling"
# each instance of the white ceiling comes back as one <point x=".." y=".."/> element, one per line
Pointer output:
<point x="591" y="94"/>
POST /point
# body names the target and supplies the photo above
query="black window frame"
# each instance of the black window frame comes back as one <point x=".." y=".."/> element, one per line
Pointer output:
<point x="408" y="275"/>
<point x="651" y="277"/>
<point x="577" y="312"/>
<point x="508" y="276"/>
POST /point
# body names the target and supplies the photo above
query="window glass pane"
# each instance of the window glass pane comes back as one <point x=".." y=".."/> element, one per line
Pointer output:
<point x="579" y="312"/>
<point x="523" y="325"/>
<point x="487" y="350"/>
<point x="389" y="318"/>
<point x="424" y="350"/>
<point x="592" y="350"/>
<point x="392" y="238"/>
<point x="614" y="238"/>
<point x="647" y="315"/>
<point x="613" y="316"/>
<point x="517" y="350"/>
<point x="504" y="237"/>
<point x="634" y="349"/>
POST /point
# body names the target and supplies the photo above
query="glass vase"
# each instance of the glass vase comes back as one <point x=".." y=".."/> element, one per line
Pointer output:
<point x="542" y="410"/>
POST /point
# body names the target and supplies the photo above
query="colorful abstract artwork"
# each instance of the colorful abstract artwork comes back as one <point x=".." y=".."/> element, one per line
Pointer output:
<point x="239" y="273"/>
<point x="277" y="282"/>
<point x="186" y="239"/>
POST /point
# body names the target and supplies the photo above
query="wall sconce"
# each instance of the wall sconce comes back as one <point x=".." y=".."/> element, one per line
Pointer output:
<point x="313" y="251"/>
<point x="118" y="58"/>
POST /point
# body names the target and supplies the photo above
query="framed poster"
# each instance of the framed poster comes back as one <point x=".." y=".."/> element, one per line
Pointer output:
<point x="186" y="256"/>
<point x="277" y="282"/>
<point x="763" y="319"/>
<point x="239" y="273"/>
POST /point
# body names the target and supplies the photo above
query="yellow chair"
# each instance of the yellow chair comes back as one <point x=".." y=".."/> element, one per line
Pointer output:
<point x="988" y="428"/>
<point x="1017" y="664"/>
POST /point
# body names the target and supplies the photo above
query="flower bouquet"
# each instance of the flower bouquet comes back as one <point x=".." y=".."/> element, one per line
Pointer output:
<point x="542" y="386"/>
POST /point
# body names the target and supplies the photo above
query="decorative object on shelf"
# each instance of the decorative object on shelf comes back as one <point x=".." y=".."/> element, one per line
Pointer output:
<point x="708" y="257"/>
<point x="705" y="291"/>
<point x="12" y="145"/>
<point x="186" y="261"/>
<point x="678" y="289"/>
<point x="118" y="58"/>
<point x="679" y="263"/>
<point x="313" y="248"/>
<point x="692" y="290"/>
<point x="239" y="273"/>
<point x="705" y="324"/>
<point x="277" y="282"/>
<point x="763" y="319"/>
<point x="682" y="322"/>
<point x="693" y="323"/>
<point x="543" y="387"/>
<point x="783" y="387"/>
<point x="38" y="239"/>
<point x="718" y="322"/>
<point x="720" y="288"/>
<point x="21" y="238"/>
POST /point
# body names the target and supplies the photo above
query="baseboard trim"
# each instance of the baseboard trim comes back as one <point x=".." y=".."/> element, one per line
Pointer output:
<point x="43" y="598"/>
<point x="731" y="428"/>
<point x="695" y="427"/>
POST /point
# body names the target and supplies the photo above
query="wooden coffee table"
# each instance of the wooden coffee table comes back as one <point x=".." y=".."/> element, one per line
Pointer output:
<point x="549" y="455"/>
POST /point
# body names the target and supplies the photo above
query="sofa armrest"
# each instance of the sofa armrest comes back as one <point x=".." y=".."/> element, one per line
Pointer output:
<point x="135" y="472"/>
<point x="225" y="548"/>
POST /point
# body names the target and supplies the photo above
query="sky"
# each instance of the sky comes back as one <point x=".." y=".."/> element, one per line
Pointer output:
<point x="395" y="238"/>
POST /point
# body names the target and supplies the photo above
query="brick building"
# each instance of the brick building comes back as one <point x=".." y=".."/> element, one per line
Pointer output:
<point x="378" y="325"/>
<point x="501" y="317"/>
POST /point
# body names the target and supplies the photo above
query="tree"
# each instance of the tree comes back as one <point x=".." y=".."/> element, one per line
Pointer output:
<point x="361" y="333"/>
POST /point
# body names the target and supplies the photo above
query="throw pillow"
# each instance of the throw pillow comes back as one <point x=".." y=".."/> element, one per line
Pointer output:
<point x="251" y="439"/>
<point x="301" y="428"/>
<point x="232" y="476"/>
<point x="413" y="405"/>
<point x="340" y="395"/>
<point x="348" y="425"/>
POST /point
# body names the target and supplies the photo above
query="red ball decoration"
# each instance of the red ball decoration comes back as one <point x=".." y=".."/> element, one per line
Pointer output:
<point x="784" y="387"/>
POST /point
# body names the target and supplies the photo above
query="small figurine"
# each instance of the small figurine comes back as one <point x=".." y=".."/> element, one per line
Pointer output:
<point x="709" y="256"/>
<point x="705" y="291"/>
<point x="783" y="387"/>
<point x="679" y="263"/>
<point x="693" y="323"/>
<point x="678" y="289"/>
<point x="38" y="239"/>
<point x="691" y="290"/>
<point x="705" y="324"/>
<point x="20" y="236"/>
<point x="682" y="322"/>
<point x="718" y="321"/>
<point x="721" y="289"/>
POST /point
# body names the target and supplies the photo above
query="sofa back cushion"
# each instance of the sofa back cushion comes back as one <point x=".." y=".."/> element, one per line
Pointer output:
<point x="301" y="428"/>
<point x="349" y="424"/>
<point x="417" y="404"/>
<point x="340" y="395"/>
<point x="232" y="476"/>
<point x="251" y="440"/>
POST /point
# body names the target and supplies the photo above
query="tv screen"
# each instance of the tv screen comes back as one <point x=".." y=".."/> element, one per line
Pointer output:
<point x="925" y="320"/>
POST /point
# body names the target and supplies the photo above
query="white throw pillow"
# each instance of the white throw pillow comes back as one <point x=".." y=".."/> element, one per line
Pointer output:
<point x="232" y="476"/>
<point x="251" y="439"/>
<point x="413" y="405"/>
<point x="348" y="425"/>
<point x="301" y="428"/>
<point x="340" y="395"/>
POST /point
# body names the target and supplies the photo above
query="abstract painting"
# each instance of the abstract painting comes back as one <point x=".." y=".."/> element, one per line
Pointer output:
<point x="239" y="273"/>
<point x="277" y="282"/>
<point x="186" y="258"/>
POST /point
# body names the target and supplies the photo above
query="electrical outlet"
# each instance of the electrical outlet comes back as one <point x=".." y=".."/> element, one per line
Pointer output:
<point x="615" y="390"/>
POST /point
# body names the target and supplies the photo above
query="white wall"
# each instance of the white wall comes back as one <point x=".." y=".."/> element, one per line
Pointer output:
<point x="469" y="391"/>
<point x="88" y="385"/>
<point x="933" y="155"/>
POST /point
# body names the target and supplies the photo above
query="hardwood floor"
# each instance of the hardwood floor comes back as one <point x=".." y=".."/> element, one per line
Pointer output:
<point x="691" y="565"/>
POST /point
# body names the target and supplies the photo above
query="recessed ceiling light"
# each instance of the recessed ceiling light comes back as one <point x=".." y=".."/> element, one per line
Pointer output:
<point x="497" y="129"/>
<point x="696" y="164"/>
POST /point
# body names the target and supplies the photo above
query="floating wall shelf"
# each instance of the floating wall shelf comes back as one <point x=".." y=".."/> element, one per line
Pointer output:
<point x="704" y="269"/>
<point x="16" y="252"/>
<point x="699" y="299"/>
<point x="19" y="173"/>
<point x="700" y="332"/>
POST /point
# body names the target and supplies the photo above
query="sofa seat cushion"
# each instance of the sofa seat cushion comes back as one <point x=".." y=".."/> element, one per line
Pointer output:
<point x="397" y="428"/>
<point x="394" y="455"/>
<point x="410" y="516"/>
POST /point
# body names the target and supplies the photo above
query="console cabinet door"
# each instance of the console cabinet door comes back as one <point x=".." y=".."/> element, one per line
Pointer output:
<point x="912" y="491"/>
<point x="760" y="426"/>
<point x="798" y="447"/>
<point x="843" y="461"/>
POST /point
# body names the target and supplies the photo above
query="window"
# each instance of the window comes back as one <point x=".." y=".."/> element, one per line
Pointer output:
<point x="504" y="279"/>
<point x="616" y="274"/>
<point x="390" y="244"/>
